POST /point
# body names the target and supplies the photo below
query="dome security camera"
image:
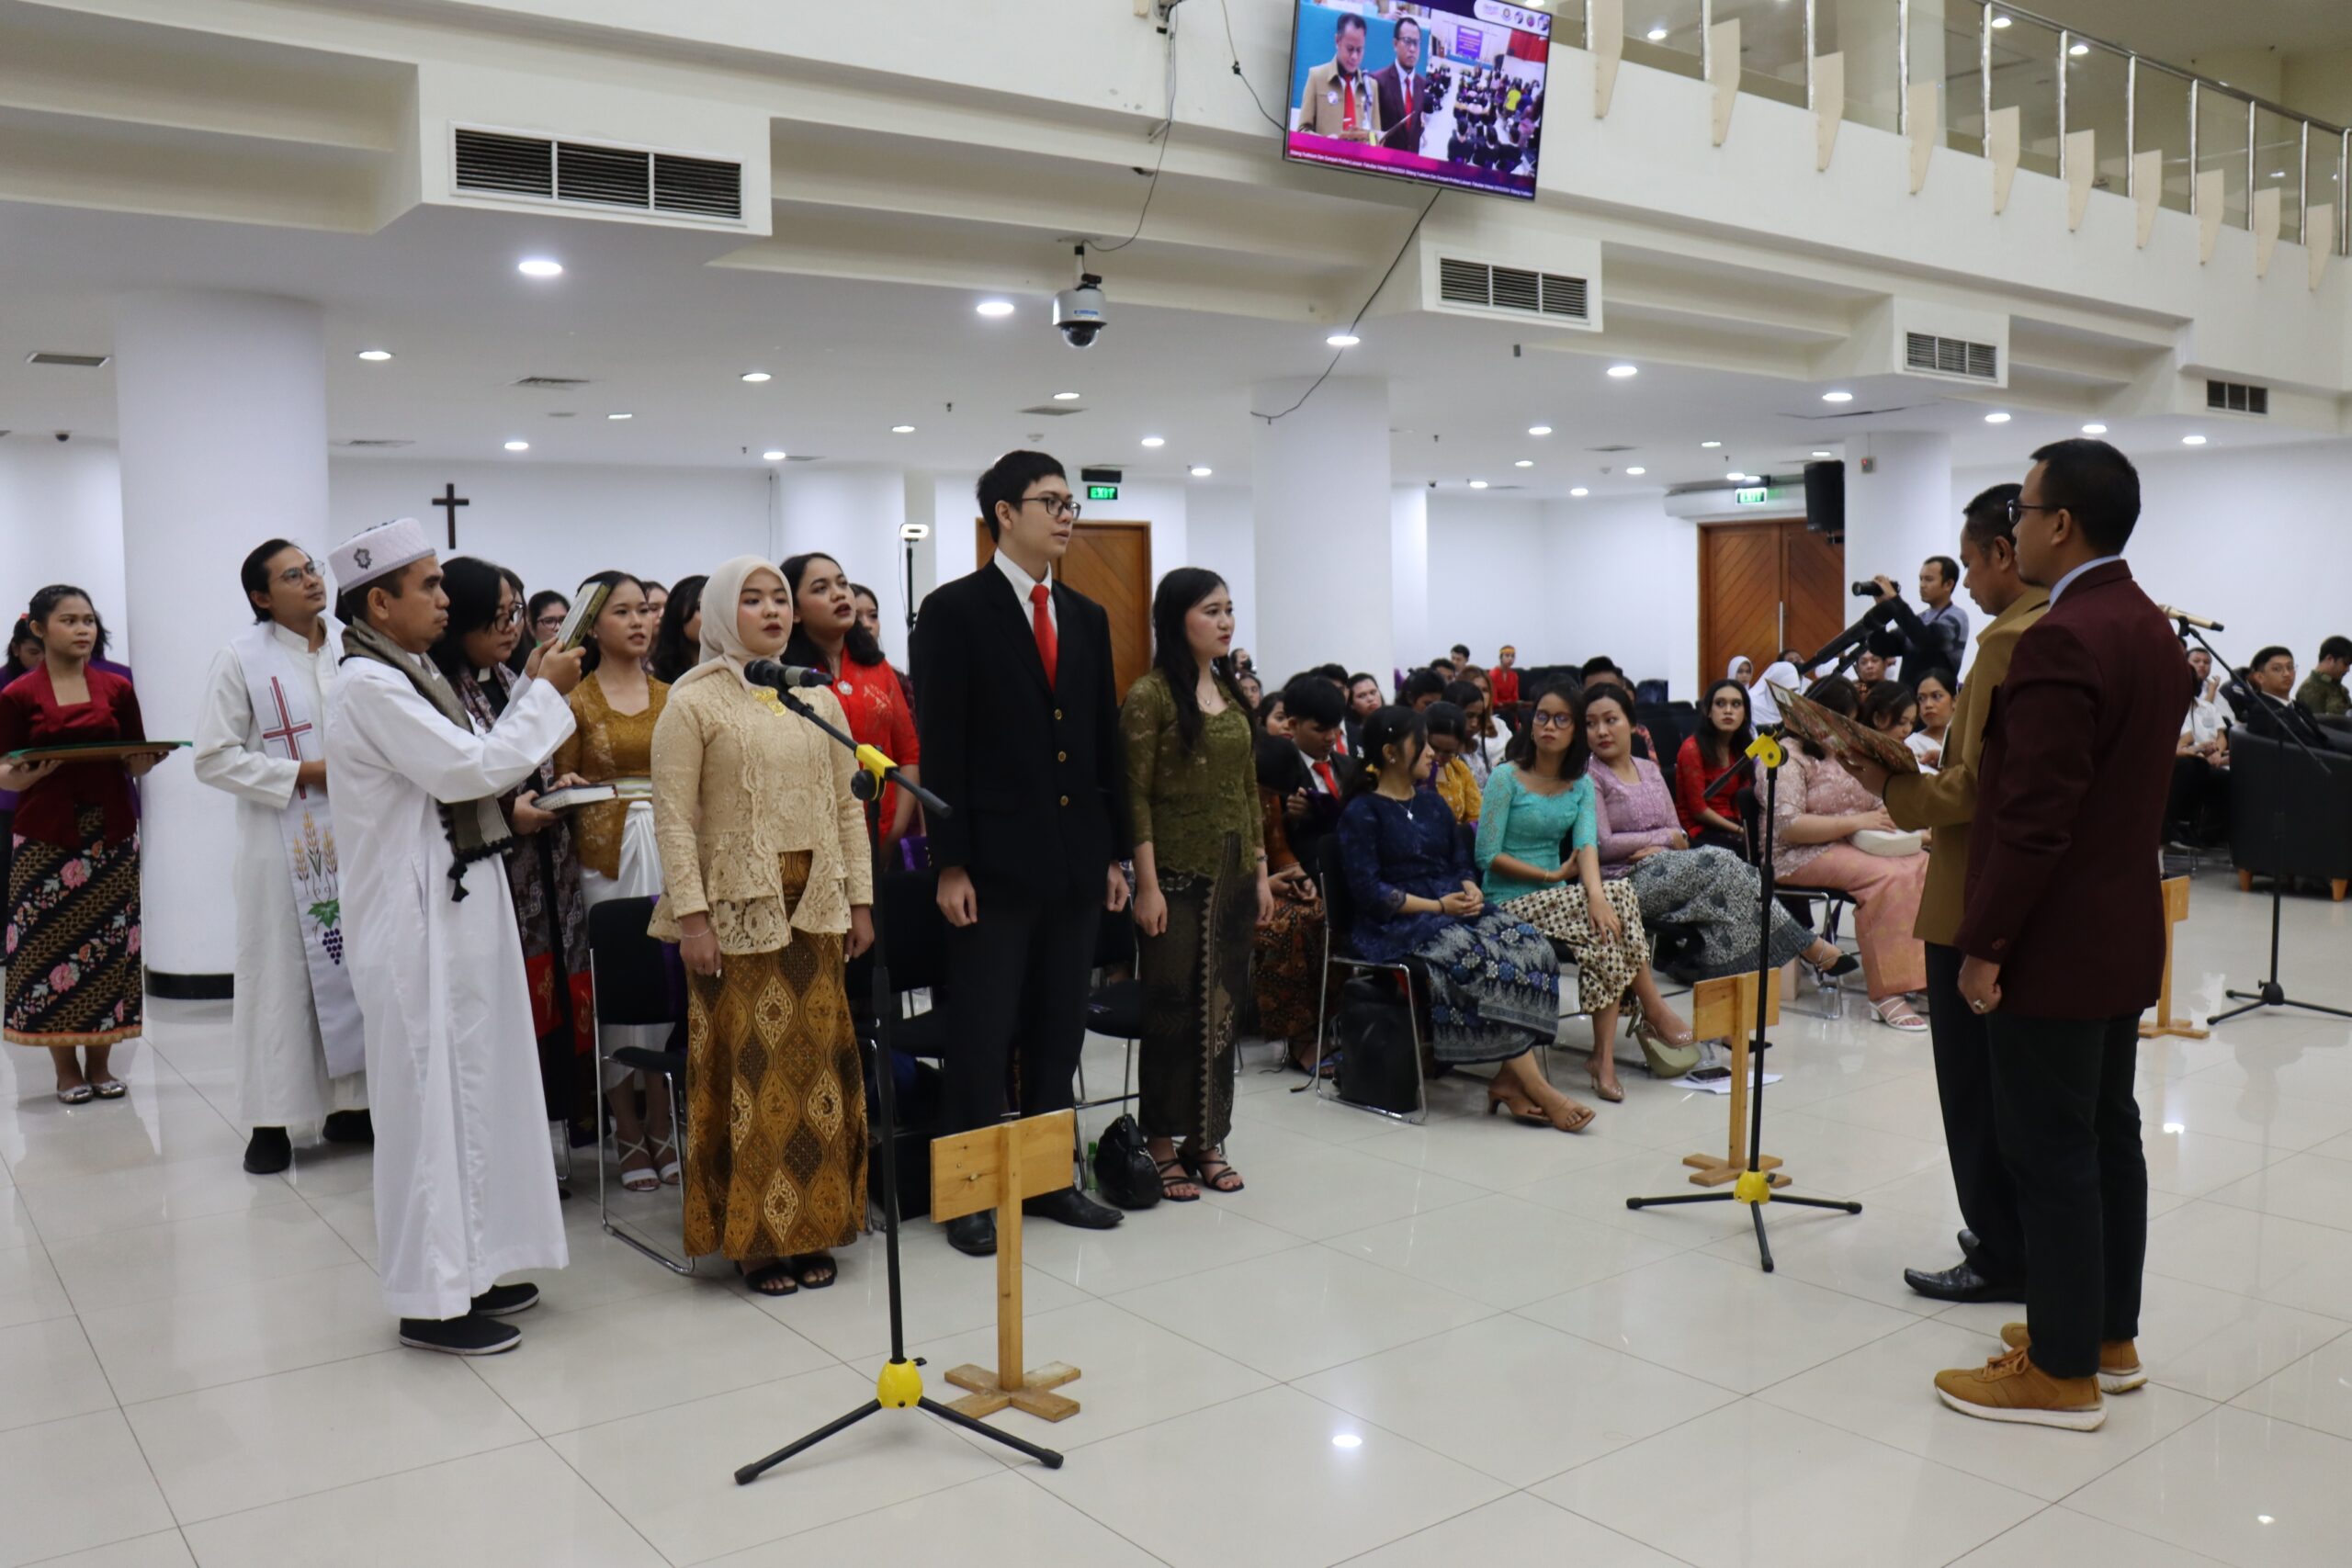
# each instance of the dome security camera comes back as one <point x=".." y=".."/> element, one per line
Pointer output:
<point x="1081" y="314"/>
<point x="65" y="436"/>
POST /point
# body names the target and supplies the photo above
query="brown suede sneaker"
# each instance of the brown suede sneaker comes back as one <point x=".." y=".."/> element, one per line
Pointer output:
<point x="2011" y="1388"/>
<point x="2119" y="1360"/>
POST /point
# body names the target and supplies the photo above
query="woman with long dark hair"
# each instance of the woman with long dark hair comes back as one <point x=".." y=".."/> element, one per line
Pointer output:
<point x="677" y="642"/>
<point x="1201" y="884"/>
<point x="74" y="977"/>
<point x="1718" y="745"/>
<point x="486" y="613"/>
<point x="1493" y="982"/>
<point x="1536" y="847"/>
<point x="614" y="710"/>
<point x="827" y="635"/>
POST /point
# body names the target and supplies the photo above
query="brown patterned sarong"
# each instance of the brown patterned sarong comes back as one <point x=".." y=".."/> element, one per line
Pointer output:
<point x="1194" y="974"/>
<point x="75" y="977"/>
<point x="775" y="1100"/>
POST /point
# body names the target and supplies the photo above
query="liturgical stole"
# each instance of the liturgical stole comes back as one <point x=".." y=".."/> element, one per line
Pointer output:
<point x="281" y="696"/>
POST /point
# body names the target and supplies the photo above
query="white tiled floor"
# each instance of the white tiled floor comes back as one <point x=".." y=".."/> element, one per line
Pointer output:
<point x="195" y="1371"/>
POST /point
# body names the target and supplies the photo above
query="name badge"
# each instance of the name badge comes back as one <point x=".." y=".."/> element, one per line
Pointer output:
<point x="1331" y="96"/>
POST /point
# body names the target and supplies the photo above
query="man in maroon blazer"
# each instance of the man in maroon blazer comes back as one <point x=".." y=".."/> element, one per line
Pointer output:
<point x="2064" y="935"/>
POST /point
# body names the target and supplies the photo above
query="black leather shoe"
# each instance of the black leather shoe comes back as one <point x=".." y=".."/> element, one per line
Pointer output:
<point x="1968" y="1242"/>
<point x="348" y="1127"/>
<point x="1962" y="1283"/>
<point x="268" y="1151"/>
<point x="973" y="1234"/>
<point x="1072" y="1207"/>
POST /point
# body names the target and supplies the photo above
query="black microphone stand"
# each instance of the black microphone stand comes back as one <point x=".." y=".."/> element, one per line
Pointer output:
<point x="1754" y="1185"/>
<point x="2270" y="993"/>
<point x="899" y="1385"/>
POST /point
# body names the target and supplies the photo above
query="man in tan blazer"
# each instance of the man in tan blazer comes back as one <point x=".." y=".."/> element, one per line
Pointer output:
<point x="1992" y="1264"/>
<point x="1339" y="99"/>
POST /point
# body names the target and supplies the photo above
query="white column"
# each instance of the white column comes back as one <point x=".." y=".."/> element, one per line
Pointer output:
<point x="1409" y="579"/>
<point x="852" y="514"/>
<point x="1901" y="512"/>
<point x="222" y="403"/>
<point x="61" y="521"/>
<point x="1323" y="526"/>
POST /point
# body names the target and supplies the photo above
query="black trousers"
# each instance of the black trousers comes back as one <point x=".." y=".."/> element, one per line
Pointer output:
<point x="1988" y="1198"/>
<point x="1016" y="999"/>
<point x="2069" y="1133"/>
<point x="2196" y="809"/>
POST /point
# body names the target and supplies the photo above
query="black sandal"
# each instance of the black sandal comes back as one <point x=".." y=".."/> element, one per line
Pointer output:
<point x="1226" y="1180"/>
<point x="770" y="1279"/>
<point x="816" y="1271"/>
<point x="1172" y="1172"/>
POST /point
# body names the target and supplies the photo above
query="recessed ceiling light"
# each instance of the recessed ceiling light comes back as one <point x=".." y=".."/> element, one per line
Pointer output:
<point x="1710" y="446"/>
<point x="2000" y="21"/>
<point x="620" y="416"/>
<point x="1155" y="441"/>
<point x="1824" y="454"/>
<point x="773" y="454"/>
<point x="2080" y="48"/>
<point x="993" y="307"/>
<point x="1344" y="339"/>
<point x="1996" y="418"/>
<point x="1579" y="492"/>
<point x="375" y="355"/>
<point x="1524" y="463"/>
<point x="1656" y="35"/>
<point x="539" y="267"/>
<point x="1837" y="397"/>
<point x="1624" y="372"/>
<point x="1637" y="473"/>
<point x="1202" y="470"/>
<point x="1539" y="430"/>
<point x="757" y="377"/>
<point x="1737" y="477"/>
<point x="518" y="447"/>
<point x="1351" y="1441"/>
<point x="903" y="430"/>
<point x="1067" y="397"/>
<point x="2175" y="1127"/>
<point x="1477" y="484"/>
<point x="2094" y="430"/>
<point x="2278" y="174"/>
<point x="2193" y="441"/>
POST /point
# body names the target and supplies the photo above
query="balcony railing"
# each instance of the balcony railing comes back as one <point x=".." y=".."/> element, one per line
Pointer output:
<point x="1989" y="57"/>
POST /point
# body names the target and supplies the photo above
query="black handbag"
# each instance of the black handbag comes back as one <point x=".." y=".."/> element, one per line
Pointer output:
<point x="1379" y="1065"/>
<point x="1124" y="1171"/>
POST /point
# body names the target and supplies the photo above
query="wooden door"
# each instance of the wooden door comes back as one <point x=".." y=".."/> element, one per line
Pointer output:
<point x="1764" y="586"/>
<point x="1111" y="564"/>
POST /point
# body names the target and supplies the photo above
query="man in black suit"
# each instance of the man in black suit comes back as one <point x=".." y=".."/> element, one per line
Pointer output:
<point x="2270" y="709"/>
<point x="1020" y="730"/>
<point x="1400" y="103"/>
<point x="1306" y="770"/>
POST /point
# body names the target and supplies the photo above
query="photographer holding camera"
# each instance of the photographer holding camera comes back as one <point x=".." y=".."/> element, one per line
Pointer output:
<point x="1923" y="641"/>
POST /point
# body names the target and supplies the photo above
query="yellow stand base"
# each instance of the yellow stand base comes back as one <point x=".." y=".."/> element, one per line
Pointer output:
<point x="989" y="1396"/>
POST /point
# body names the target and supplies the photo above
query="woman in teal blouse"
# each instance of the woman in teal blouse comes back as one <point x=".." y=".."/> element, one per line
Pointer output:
<point x="1538" y="802"/>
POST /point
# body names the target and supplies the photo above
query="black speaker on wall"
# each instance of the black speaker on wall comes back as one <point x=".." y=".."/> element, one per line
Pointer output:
<point x="1824" y="498"/>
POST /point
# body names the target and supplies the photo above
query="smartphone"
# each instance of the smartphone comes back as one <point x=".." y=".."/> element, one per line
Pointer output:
<point x="1710" y="1075"/>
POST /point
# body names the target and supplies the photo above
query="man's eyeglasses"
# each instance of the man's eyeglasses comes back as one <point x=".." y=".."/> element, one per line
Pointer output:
<point x="1551" y="720"/>
<point x="1055" y="505"/>
<point x="294" y="576"/>
<point x="2017" y="509"/>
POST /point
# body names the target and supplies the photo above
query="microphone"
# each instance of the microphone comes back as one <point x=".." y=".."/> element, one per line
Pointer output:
<point x="2172" y="615"/>
<point x="782" y="677"/>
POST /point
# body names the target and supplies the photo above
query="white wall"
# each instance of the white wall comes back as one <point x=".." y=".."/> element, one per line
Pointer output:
<point x="1219" y="523"/>
<point x="61" y="521"/>
<point x="1488" y="581"/>
<point x="1624" y="581"/>
<point x="2254" y="538"/>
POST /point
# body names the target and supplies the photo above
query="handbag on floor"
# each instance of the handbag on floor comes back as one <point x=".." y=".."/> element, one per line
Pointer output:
<point x="1373" y="1035"/>
<point x="1124" y="1171"/>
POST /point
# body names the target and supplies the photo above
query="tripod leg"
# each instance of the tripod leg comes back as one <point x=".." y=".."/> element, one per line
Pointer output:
<point x="1678" y="1197"/>
<point x="1763" y="1246"/>
<point x="1843" y="1205"/>
<point x="752" y="1472"/>
<point x="1045" y="1457"/>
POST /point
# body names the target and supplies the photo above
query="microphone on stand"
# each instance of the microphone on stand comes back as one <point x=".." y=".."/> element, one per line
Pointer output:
<point x="2172" y="615"/>
<point x="782" y="677"/>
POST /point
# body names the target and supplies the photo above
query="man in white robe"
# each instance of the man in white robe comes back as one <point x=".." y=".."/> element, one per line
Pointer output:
<point x="258" y="738"/>
<point x="464" y="1191"/>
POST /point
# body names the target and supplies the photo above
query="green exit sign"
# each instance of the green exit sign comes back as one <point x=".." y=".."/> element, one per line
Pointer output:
<point x="1759" y="496"/>
<point x="1101" y="492"/>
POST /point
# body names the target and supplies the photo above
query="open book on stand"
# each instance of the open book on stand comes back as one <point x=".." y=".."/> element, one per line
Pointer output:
<point x="1829" y="733"/>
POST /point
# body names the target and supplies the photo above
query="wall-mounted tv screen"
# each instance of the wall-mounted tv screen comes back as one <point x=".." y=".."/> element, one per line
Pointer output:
<point x="1446" y="92"/>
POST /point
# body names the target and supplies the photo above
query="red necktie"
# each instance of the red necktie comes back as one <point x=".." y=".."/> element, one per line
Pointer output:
<point x="1323" y="770"/>
<point x="1042" y="620"/>
<point x="1348" y="120"/>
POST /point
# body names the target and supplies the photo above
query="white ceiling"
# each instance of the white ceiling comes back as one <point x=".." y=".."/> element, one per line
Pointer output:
<point x="665" y="336"/>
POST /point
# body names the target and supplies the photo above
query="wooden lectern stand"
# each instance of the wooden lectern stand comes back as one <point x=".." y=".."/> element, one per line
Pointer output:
<point x="2175" y="911"/>
<point x="1727" y="1006"/>
<point x="995" y="1168"/>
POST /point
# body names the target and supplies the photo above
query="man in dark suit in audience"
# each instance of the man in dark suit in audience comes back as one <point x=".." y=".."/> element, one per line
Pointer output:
<point x="1020" y="730"/>
<point x="2064" y="935"/>
<point x="2273" y="712"/>
<point x="1306" y="770"/>
<point x="1400" y="99"/>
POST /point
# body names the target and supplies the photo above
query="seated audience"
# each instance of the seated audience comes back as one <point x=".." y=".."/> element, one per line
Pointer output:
<point x="1449" y="775"/>
<point x="1720" y="745"/>
<point x="1287" y="948"/>
<point x="1709" y="892"/>
<point x="1505" y="676"/>
<point x="1819" y="808"/>
<point x="2270" y="680"/>
<point x="1937" y="691"/>
<point x="1536" y="848"/>
<point x="1300" y="781"/>
<point x="1644" y="746"/>
<point x="1423" y="687"/>
<point x="1892" y="710"/>
<point x="1272" y="717"/>
<point x="1484" y="740"/>
<point x="1492" y="981"/>
<point x="1869" y="668"/>
<point x="1251" y="692"/>
<point x="2323" y="690"/>
<point x="2196" y="809"/>
<point x="1742" y="670"/>
<point x="1337" y="675"/>
<point x="2210" y="714"/>
<point x="1765" y="708"/>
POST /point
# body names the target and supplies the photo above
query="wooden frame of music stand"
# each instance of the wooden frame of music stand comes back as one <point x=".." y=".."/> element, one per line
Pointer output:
<point x="995" y="1168"/>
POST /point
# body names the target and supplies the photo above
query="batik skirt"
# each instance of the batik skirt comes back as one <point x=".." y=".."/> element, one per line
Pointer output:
<point x="1194" y="974"/>
<point x="75" y="977"/>
<point x="1494" y="989"/>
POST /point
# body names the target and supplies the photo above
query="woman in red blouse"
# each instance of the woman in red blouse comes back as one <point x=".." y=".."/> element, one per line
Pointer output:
<point x="1724" y="732"/>
<point x="74" y="978"/>
<point x="826" y="636"/>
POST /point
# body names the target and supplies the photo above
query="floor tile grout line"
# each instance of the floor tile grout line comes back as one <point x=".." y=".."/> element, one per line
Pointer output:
<point x="187" y="1525"/>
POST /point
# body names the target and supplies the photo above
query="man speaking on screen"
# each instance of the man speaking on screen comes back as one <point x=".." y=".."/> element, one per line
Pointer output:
<point x="1339" y="99"/>
<point x="1399" y="90"/>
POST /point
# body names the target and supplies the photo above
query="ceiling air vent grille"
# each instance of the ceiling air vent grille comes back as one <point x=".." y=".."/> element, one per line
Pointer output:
<point x="1928" y="354"/>
<point x="1516" y="290"/>
<point x="1052" y="412"/>
<point x="2237" y="396"/>
<point x="373" y="443"/>
<point x="551" y="383"/>
<point x="70" y="361"/>
<point x="588" y="174"/>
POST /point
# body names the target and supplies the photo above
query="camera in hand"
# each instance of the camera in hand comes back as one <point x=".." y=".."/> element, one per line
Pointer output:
<point x="1866" y="591"/>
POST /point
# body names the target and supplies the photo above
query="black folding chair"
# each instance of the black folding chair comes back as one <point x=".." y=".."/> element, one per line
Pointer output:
<point x="1115" y="1008"/>
<point x="1339" y="925"/>
<point x="629" y="981"/>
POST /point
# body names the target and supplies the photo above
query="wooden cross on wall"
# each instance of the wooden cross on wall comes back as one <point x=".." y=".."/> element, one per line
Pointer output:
<point x="450" y="499"/>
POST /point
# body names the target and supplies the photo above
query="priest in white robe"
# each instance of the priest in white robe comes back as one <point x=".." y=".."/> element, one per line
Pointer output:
<point x="259" y="738"/>
<point x="463" y="1189"/>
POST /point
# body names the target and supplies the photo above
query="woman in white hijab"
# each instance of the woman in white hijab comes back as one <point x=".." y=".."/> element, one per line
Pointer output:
<point x="1742" y="670"/>
<point x="1779" y="672"/>
<point x="769" y="889"/>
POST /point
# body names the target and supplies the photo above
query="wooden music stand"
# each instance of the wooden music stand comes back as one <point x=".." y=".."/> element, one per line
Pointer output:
<point x="2175" y="911"/>
<point x="995" y="1168"/>
<point x="1727" y="1006"/>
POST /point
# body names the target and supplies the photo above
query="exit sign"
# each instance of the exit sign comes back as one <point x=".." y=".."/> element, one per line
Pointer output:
<point x="1759" y="496"/>
<point x="1101" y="492"/>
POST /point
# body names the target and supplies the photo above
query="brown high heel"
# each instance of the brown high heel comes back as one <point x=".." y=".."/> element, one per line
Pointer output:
<point x="1572" y="1117"/>
<point x="1522" y="1109"/>
<point x="1613" y="1093"/>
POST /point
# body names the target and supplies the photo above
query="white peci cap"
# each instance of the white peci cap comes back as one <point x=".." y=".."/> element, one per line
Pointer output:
<point x="378" y="552"/>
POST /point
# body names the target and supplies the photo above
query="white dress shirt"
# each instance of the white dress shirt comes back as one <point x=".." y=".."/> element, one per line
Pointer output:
<point x="1022" y="584"/>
